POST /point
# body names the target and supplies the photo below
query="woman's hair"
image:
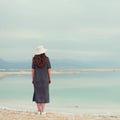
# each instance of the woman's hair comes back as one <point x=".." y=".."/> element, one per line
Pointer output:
<point x="40" y="60"/>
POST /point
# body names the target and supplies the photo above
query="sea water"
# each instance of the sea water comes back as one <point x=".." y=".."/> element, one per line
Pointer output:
<point x="97" y="92"/>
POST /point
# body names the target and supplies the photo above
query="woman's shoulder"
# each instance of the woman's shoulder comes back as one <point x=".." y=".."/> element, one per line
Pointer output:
<point x="48" y="59"/>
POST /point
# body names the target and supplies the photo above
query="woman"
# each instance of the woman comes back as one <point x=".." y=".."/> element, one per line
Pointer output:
<point x="41" y="78"/>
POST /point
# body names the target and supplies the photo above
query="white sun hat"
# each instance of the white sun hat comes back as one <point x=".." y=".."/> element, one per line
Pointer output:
<point x="40" y="50"/>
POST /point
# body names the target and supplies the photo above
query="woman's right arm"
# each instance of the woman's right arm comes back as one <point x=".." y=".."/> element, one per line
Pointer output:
<point x="49" y="74"/>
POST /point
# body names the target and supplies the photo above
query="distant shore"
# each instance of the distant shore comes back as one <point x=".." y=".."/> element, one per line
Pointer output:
<point x="65" y="71"/>
<point x="20" y="115"/>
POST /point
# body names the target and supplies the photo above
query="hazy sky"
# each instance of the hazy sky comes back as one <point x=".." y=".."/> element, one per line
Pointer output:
<point x="86" y="30"/>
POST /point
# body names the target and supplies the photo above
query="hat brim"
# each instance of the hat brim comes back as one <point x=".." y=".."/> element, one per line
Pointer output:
<point x="41" y="52"/>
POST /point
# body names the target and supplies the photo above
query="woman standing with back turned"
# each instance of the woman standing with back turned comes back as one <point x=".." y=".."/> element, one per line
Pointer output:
<point x="41" y="78"/>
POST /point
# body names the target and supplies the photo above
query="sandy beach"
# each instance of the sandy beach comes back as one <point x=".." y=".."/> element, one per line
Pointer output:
<point x="19" y="115"/>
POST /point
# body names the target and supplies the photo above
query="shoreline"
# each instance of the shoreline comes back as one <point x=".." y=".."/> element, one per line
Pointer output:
<point x="74" y="110"/>
<point x="22" y="115"/>
<point x="64" y="71"/>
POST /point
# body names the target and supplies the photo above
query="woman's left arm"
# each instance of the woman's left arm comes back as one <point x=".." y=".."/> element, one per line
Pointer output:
<point x="33" y="76"/>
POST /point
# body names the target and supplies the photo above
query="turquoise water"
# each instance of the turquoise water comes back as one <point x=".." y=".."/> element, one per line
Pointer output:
<point x="86" y="91"/>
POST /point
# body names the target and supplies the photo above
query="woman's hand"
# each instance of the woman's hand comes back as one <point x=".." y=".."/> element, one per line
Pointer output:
<point x="32" y="81"/>
<point x="49" y="81"/>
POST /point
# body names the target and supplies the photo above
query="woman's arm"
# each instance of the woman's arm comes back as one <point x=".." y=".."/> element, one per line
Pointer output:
<point x="49" y="74"/>
<point x="33" y="76"/>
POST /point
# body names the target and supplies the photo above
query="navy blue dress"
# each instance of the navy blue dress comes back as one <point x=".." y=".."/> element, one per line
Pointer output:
<point x="41" y="83"/>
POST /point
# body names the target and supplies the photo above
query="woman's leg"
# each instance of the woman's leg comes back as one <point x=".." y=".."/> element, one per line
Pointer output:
<point x="43" y="107"/>
<point x="39" y="107"/>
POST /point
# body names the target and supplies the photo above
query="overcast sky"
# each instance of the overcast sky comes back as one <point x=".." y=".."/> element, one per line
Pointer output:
<point x="76" y="29"/>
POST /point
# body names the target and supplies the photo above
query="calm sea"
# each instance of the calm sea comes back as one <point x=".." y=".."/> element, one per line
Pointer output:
<point x="69" y="93"/>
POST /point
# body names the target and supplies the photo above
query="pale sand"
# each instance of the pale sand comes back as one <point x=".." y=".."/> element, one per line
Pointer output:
<point x="83" y="71"/>
<point x="18" y="115"/>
